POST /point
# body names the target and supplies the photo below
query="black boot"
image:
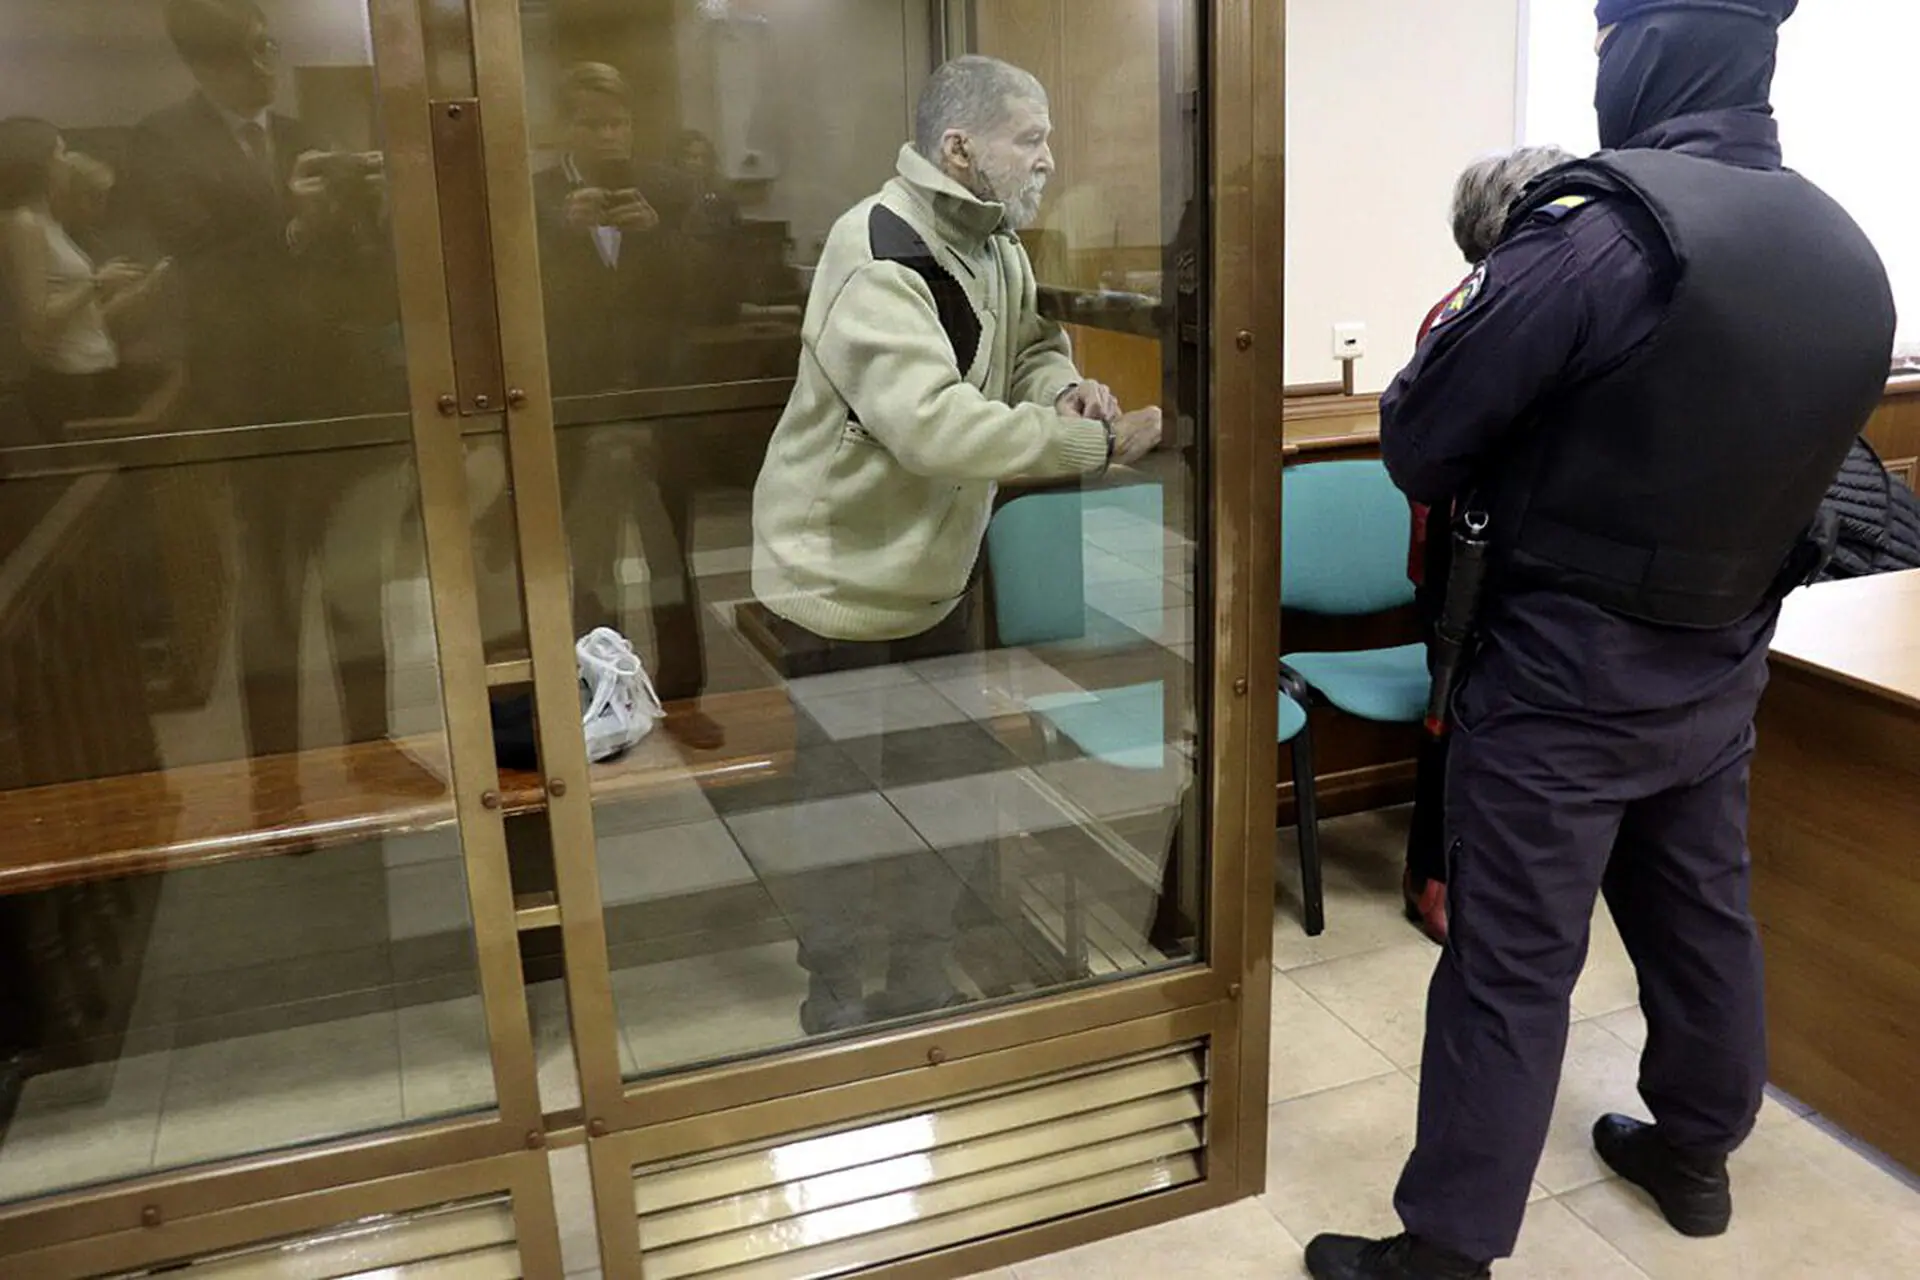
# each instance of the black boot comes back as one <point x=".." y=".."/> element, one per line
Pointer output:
<point x="1691" y="1190"/>
<point x="1396" y="1258"/>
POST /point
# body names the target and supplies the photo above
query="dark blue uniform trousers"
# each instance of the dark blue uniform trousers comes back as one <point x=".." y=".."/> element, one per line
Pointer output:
<point x="1546" y="809"/>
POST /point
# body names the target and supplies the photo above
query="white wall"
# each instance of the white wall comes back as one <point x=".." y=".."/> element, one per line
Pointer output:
<point x="1387" y="100"/>
<point x="1844" y="94"/>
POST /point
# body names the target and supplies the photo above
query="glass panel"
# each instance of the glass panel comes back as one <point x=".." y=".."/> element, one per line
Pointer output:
<point x="927" y="664"/>
<point x="233" y="910"/>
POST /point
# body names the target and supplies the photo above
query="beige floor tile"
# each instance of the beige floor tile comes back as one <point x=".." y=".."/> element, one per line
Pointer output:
<point x="1607" y="984"/>
<point x="1804" y="1206"/>
<point x="710" y="1006"/>
<point x="316" y="912"/>
<point x="666" y="862"/>
<point x="1333" y="1158"/>
<point x="1872" y="1178"/>
<point x="1597" y="1077"/>
<point x="1381" y="994"/>
<point x="1240" y="1242"/>
<point x="1312" y="1049"/>
<point x="285" y="1088"/>
<point x="1362" y="857"/>
<point x="446" y="1065"/>
<point x="554" y="1062"/>
<point x="1556" y="1245"/>
<point x="573" y="1202"/>
<point x="88" y="1124"/>
<point x="1628" y="1024"/>
<point x="1358" y="921"/>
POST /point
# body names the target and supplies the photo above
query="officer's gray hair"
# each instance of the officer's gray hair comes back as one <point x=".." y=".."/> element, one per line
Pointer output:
<point x="969" y="94"/>
<point x="1486" y="192"/>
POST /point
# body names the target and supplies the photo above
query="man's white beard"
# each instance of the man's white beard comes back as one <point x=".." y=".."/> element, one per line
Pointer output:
<point x="1019" y="196"/>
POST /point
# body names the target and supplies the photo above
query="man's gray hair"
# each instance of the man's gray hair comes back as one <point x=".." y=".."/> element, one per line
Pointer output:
<point x="1486" y="191"/>
<point x="969" y="94"/>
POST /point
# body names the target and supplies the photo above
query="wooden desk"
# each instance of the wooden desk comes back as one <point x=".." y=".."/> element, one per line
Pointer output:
<point x="1836" y="855"/>
<point x="1324" y="429"/>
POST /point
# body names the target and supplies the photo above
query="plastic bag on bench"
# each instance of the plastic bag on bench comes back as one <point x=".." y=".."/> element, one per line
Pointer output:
<point x="618" y="704"/>
<point x="621" y="704"/>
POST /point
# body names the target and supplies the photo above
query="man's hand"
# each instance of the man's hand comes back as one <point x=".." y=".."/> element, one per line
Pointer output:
<point x="1135" y="435"/>
<point x="629" y="211"/>
<point x="587" y="208"/>
<point x="308" y="187"/>
<point x="1089" y="399"/>
<point x="117" y="276"/>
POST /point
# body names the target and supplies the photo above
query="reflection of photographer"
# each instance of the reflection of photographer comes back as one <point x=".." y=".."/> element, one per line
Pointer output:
<point x="280" y="241"/>
<point x="609" y="237"/>
<point x="70" y="310"/>
<point x="606" y="255"/>
<point x="282" y="253"/>
<point x="713" y="261"/>
<point x="338" y="195"/>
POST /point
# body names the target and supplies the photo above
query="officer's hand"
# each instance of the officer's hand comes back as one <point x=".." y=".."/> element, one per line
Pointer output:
<point x="1089" y="399"/>
<point x="1136" y="434"/>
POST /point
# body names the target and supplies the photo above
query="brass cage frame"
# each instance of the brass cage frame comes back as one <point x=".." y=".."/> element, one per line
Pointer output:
<point x="1224" y="1000"/>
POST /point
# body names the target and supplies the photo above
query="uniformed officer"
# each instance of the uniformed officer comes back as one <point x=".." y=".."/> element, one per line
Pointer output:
<point x="1648" y="389"/>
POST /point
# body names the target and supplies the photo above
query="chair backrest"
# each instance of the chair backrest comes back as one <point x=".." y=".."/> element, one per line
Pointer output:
<point x="1037" y="547"/>
<point x="1034" y="546"/>
<point x="1343" y="539"/>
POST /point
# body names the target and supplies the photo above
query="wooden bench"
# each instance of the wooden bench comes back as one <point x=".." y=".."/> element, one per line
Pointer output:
<point x="84" y="796"/>
<point x="203" y="815"/>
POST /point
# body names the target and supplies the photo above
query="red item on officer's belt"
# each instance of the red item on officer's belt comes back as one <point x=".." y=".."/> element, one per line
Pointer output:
<point x="1417" y="543"/>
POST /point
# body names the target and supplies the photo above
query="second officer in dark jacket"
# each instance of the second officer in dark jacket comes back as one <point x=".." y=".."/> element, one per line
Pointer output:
<point x="1648" y="387"/>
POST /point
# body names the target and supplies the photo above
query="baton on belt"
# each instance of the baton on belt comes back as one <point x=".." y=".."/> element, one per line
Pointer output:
<point x="1459" y="611"/>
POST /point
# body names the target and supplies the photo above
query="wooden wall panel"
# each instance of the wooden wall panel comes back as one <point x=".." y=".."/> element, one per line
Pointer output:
<point x="1100" y="61"/>
<point x="1894" y="431"/>
<point x="1126" y="362"/>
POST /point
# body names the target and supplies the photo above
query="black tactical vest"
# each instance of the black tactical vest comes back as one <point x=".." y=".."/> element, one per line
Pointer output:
<point x="1675" y="487"/>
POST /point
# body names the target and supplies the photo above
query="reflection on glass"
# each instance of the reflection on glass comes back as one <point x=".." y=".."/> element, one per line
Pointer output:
<point x="641" y="257"/>
<point x="945" y="628"/>
<point x="233" y="911"/>
<point x="278" y="231"/>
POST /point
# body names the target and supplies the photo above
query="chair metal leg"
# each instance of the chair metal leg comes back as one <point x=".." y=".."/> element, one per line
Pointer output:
<point x="1078" y="965"/>
<point x="1307" y="816"/>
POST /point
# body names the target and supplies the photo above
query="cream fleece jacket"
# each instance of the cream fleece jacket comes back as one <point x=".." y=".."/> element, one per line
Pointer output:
<point x="927" y="375"/>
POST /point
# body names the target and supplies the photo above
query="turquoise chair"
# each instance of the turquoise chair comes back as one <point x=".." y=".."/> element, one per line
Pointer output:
<point x="1034" y="549"/>
<point x="1343" y="553"/>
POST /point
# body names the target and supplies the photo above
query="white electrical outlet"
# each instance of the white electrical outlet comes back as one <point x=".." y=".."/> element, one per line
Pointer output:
<point x="1350" y="340"/>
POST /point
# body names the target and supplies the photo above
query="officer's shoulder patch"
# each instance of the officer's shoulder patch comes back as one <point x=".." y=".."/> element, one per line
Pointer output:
<point x="1463" y="298"/>
<point x="1565" y="206"/>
